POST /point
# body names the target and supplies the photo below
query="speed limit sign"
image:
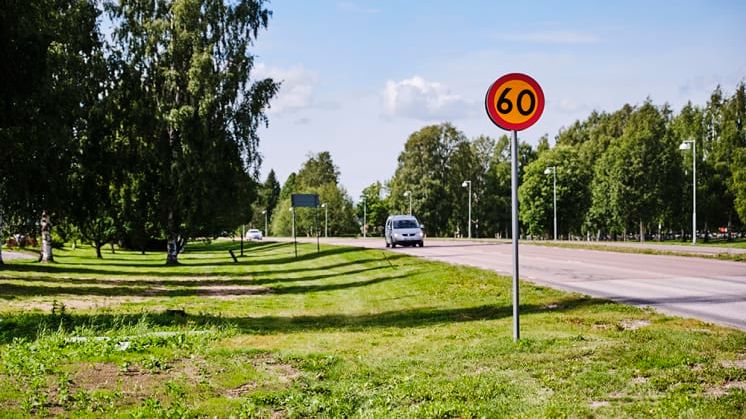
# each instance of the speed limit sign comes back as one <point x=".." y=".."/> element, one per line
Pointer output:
<point x="514" y="102"/>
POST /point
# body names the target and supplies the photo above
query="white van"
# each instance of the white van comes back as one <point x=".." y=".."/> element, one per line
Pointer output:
<point x="404" y="230"/>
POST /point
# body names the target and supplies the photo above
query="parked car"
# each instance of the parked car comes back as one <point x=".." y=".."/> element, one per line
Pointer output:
<point x="254" y="234"/>
<point x="403" y="230"/>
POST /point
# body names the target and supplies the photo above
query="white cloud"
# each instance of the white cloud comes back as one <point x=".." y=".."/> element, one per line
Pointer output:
<point x="296" y="91"/>
<point x="421" y="99"/>
<point x="552" y="37"/>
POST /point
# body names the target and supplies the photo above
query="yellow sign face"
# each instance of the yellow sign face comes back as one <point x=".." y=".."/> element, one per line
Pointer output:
<point x="514" y="102"/>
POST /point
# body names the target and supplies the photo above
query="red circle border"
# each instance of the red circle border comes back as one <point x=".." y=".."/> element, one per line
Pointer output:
<point x="495" y="117"/>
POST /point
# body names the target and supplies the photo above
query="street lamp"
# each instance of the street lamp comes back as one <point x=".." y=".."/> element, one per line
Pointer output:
<point x="326" y="219"/>
<point x="553" y="170"/>
<point x="465" y="184"/>
<point x="265" y="222"/>
<point x="686" y="145"/>
<point x="409" y="194"/>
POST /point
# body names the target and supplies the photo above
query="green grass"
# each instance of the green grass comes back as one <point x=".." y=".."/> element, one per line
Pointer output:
<point x="346" y="332"/>
<point x="736" y="257"/>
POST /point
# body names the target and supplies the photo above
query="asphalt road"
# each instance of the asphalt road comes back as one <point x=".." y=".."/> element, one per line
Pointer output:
<point x="706" y="289"/>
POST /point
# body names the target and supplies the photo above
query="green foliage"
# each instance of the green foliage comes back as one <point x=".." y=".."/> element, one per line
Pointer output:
<point x="195" y="113"/>
<point x="423" y="170"/>
<point x="318" y="175"/>
<point x="50" y="78"/>
<point x="376" y="207"/>
<point x="536" y="192"/>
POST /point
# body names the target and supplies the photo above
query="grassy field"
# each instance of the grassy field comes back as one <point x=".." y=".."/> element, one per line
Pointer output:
<point x="346" y="332"/>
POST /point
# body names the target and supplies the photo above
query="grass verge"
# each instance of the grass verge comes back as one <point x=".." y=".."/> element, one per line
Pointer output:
<point x="736" y="257"/>
<point x="345" y="332"/>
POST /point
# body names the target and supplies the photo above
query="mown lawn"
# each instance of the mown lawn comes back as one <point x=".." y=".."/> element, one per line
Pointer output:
<point x="346" y="332"/>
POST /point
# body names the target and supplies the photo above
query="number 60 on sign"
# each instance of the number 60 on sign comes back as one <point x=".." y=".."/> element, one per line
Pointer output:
<point x="514" y="102"/>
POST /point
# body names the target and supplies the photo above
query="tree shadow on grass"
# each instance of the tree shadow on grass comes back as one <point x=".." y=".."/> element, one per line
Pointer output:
<point x="159" y="288"/>
<point x="30" y="325"/>
<point x="164" y="272"/>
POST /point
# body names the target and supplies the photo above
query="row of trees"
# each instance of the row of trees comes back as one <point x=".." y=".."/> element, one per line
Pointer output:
<point x="618" y="173"/>
<point x="150" y="135"/>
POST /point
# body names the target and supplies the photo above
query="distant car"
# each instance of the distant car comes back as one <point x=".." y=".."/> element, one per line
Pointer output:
<point x="254" y="234"/>
<point x="403" y="230"/>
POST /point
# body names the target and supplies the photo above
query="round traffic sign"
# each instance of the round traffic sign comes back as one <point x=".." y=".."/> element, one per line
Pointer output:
<point x="514" y="102"/>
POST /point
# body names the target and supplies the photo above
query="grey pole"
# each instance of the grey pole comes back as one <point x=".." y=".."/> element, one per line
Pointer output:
<point x="326" y="220"/>
<point x="365" y="217"/>
<point x="554" y="170"/>
<point x="465" y="184"/>
<point x="694" y="191"/>
<point x="469" y="209"/>
<point x="265" y="222"/>
<point x="514" y="204"/>
<point x="295" y="242"/>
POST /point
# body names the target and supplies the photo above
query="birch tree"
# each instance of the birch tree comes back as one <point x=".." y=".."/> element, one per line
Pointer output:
<point x="193" y="61"/>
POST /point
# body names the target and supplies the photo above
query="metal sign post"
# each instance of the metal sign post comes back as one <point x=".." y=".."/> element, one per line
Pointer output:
<point x="515" y="231"/>
<point x="295" y="242"/>
<point x="308" y="200"/>
<point x="514" y="102"/>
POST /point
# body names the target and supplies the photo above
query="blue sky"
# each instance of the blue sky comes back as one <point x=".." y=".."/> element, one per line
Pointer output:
<point x="360" y="76"/>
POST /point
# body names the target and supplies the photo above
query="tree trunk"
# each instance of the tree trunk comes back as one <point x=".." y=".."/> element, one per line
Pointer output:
<point x="2" y="239"/>
<point x="112" y="247"/>
<point x="707" y="233"/>
<point x="172" y="247"/>
<point x="172" y="253"/>
<point x="46" y="239"/>
<point x="729" y="237"/>
<point x="98" y="245"/>
<point x="642" y="232"/>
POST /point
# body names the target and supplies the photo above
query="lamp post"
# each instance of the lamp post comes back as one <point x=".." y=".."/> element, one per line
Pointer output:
<point x="409" y="194"/>
<point x="265" y="222"/>
<point x="465" y="184"/>
<point x="686" y="145"/>
<point x="326" y="219"/>
<point x="553" y="170"/>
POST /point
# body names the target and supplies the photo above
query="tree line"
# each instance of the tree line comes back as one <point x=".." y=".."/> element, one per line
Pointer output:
<point x="618" y="174"/>
<point x="149" y="135"/>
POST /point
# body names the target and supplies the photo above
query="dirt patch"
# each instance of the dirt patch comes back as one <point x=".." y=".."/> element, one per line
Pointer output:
<point x="132" y="381"/>
<point x="600" y="403"/>
<point x="633" y="324"/>
<point x="723" y="390"/>
<point x="74" y="303"/>
<point x="285" y="373"/>
<point x="241" y="391"/>
<point x="230" y="292"/>
<point x="222" y="292"/>
<point x="735" y="384"/>
<point x="739" y="363"/>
